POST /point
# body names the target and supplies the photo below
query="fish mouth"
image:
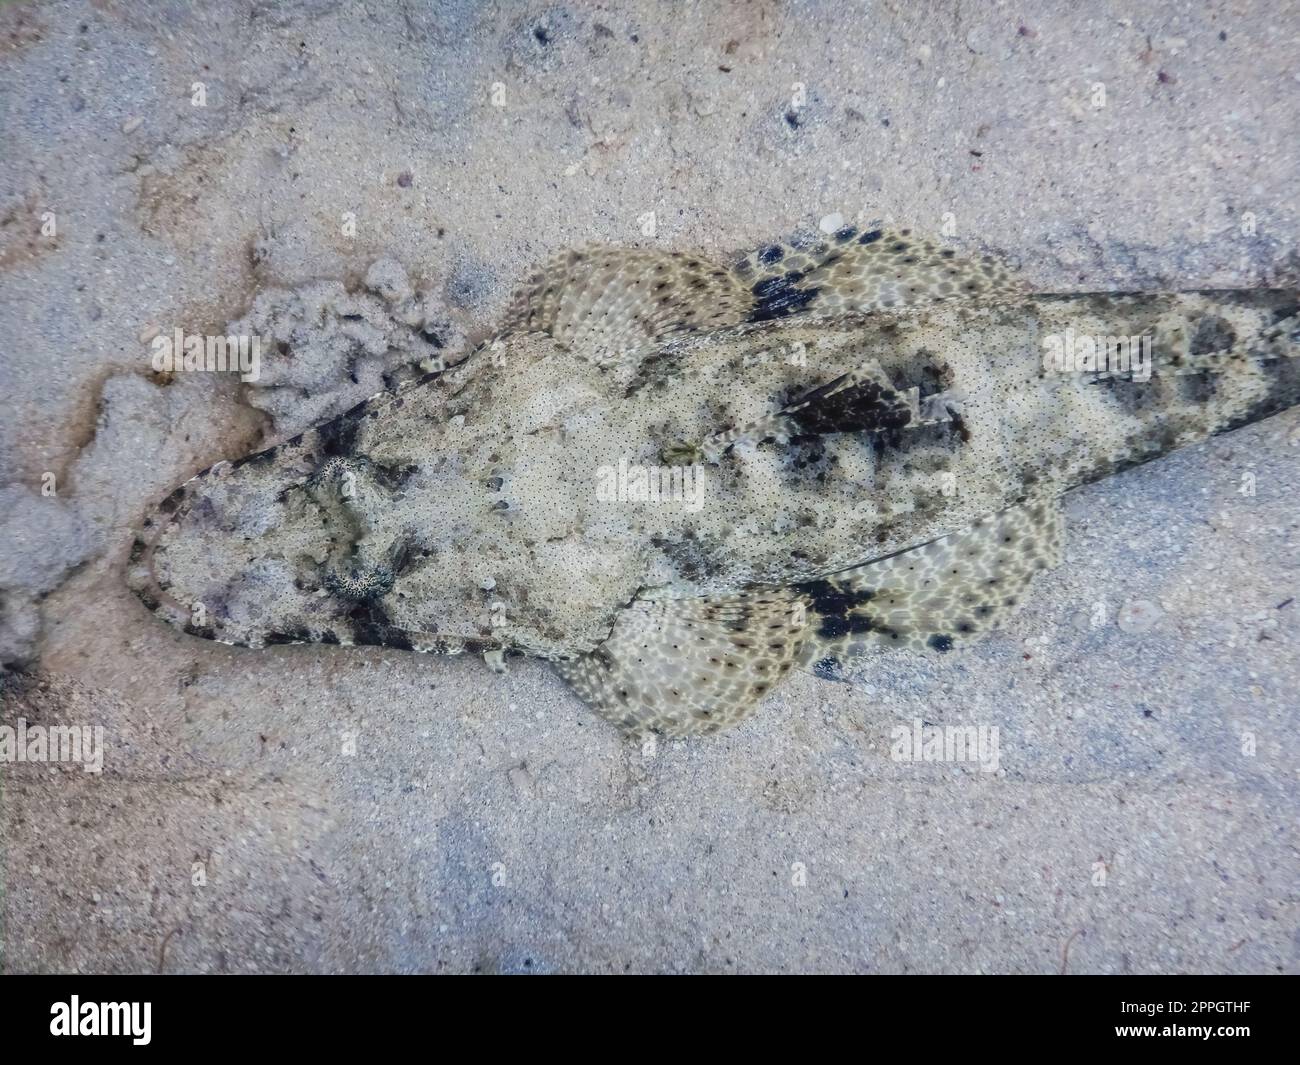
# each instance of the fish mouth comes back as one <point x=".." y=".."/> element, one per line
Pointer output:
<point x="148" y="572"/>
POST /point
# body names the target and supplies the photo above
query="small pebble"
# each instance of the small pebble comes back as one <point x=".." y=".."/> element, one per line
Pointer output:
<point x="132" y="124"/>
<point x="1138" y="615"/>
<point x="523" y="782"/>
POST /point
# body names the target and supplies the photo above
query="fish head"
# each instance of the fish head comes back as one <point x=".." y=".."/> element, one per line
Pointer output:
<point x="455" y="515"/>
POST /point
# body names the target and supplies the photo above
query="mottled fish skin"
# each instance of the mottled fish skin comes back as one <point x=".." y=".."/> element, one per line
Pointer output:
<point x="834" y="417"/>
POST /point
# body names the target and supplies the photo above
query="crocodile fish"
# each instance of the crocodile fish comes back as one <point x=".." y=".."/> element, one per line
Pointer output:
<point x="678" y="480"/>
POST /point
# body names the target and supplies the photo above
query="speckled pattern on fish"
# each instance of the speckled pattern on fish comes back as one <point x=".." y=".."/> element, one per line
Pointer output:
<point x="862" y="441"/>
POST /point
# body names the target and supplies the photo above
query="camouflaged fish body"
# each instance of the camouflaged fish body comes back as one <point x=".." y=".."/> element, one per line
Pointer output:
<point x="680" y="481"/>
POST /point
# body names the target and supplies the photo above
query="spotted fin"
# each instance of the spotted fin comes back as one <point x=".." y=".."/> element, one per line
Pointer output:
<point x="612" y="304"/>
<point x="859" y="270"/>
<point x="933" y="598"/>
<point x="615" y="304"/>
<point x="681" y="667"/>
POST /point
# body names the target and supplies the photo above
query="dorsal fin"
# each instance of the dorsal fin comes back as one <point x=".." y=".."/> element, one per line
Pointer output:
<point x="864" y="400"/>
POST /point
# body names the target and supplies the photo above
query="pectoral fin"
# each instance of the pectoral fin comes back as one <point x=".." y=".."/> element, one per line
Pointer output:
<point x="615" y="305"/>
<point x="933" y="598"/>
<point x="683" y="667"/>
<point x="862" y="269"/>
